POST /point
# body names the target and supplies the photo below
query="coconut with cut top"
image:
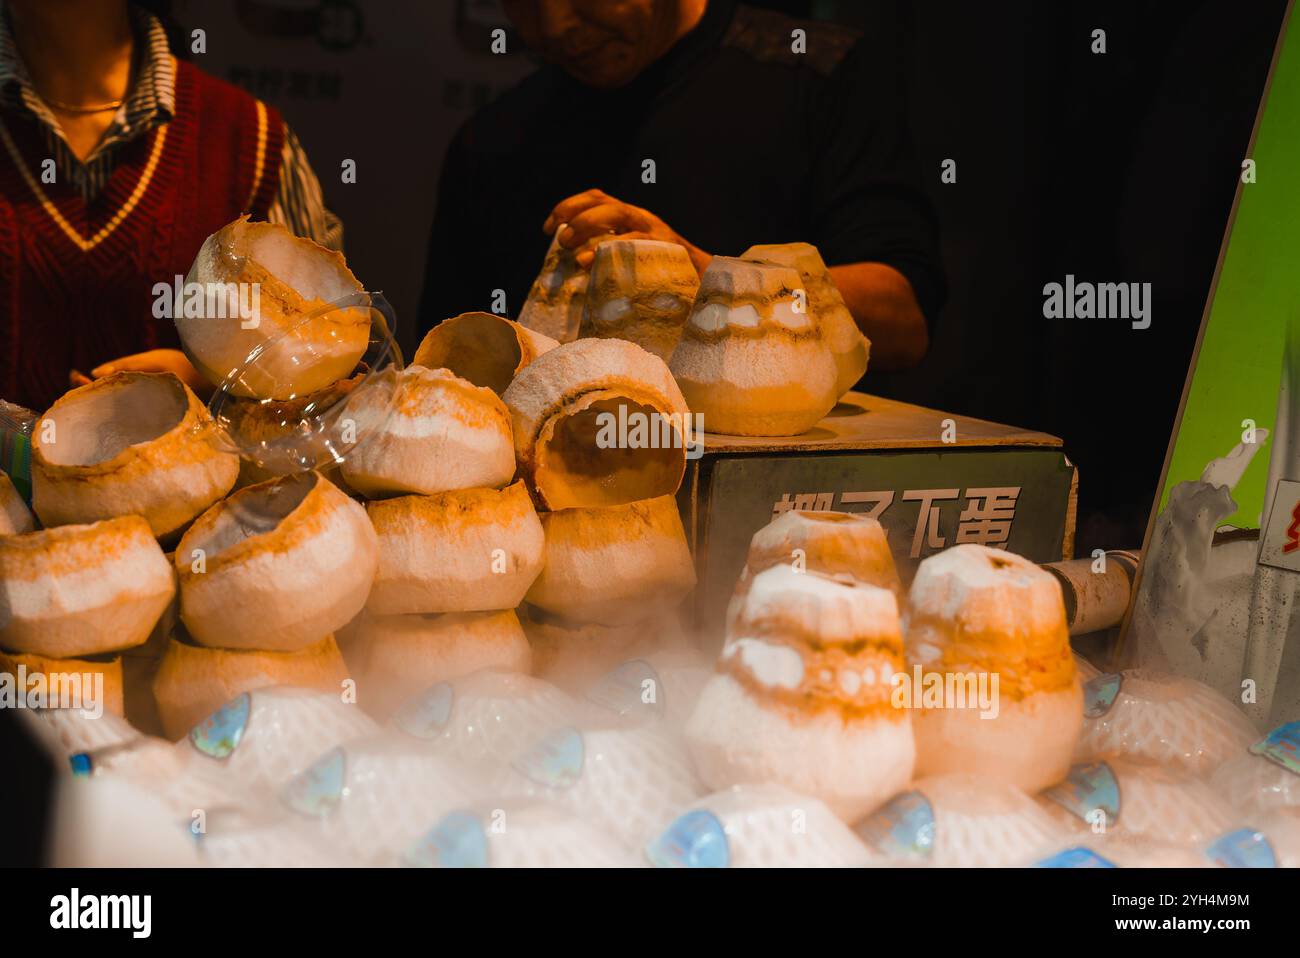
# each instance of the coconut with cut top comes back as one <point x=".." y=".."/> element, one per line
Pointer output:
<point x="850" y="348"/>
<point x="276" y="566"/>
<point x="84" y="684"/>
<point x="753" y="359"/>
<point x="642" y="291"/>
<point x="273" y="306"/>
<point x="555" y="300"/>
<point x="427" y="431"/>
<point x="129" y="444"/>
<point x="483" y="348"/>
<point x="82" y="589"/>
<point x="598" y="422"/>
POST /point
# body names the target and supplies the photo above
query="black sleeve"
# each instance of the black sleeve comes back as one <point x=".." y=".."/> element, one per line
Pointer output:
<point x="449" y="262"/>
<point x="864" y="196"/>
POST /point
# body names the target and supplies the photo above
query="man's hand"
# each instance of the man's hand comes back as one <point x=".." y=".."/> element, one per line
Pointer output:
<point x="153" y="361"/>
<point x="594" y="216"/>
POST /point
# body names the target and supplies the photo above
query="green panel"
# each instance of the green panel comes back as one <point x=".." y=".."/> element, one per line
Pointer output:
<point x="744" y="493"/>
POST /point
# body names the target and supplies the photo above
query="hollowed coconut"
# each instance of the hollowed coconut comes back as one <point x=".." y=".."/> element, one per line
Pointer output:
<point x="395" y="657"/>
<point x="483" y="348"/>
<point x="193" y="682"/>
<point x="555" y="300"/>
<point x="66" y="680"/>
<point x="850" y="348"/>
<point x="15" y="517"/>
<point x="472" y="550"/>
<point x="294" y="278"/>
<point x="598" y="422"/>
<point x="642" y="291"/>
<point x="82" y="589"/>
<point x="753" y="359"/>
<point x="614" y="565"/>
<point x="129" y="444"/>
<point x="443" y="433"/>
<point x="276" y="566"/>
<point x="976" y="611"/>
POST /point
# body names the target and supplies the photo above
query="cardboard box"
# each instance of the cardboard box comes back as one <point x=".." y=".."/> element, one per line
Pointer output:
<point x="974" y="481"/>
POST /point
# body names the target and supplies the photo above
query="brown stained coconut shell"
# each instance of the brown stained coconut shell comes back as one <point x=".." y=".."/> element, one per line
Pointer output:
<point x="614" y="565"/>
<point x="753" y="360"/>
<point x="82" y="589"/>
<point x="294" y="278"/>
<point x="641" y="291"/>
<point x="129" y="444"/>
<point x="555" y="301"/>
<point x="15" y="517"/>
<point x="559" y="407"/>
<point x="395" y="657"/>
<point x="850" y="348"/>
<point x="193" y="682"/>
<point x="276" y="566"/>
<point x="483" y="348"/>
<point x="443" y="433"/>
<point x="59" y="673"/>
<point x="472" y="550"/>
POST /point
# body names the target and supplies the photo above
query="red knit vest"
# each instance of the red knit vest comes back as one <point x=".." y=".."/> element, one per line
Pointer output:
<point x="63" y="307"/>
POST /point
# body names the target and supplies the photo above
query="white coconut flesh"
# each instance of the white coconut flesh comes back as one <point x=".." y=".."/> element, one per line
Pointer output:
<point x="294" y="344"/>
<point x="574" y="470"/>
<point x="481" y="347"/>
<point x="96" y="425"/>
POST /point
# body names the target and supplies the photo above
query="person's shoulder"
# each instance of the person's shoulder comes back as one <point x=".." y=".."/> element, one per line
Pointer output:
<point x="219" y="98"/>
<point x="768" y="36"/>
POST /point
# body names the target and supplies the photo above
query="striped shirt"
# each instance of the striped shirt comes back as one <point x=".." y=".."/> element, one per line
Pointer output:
<point x="299" y="204"/>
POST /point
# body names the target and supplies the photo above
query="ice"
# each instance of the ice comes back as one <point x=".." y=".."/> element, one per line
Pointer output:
<point x="1166" y="719"/>
<point x="1139" y="800"/>
<point x="74" y="730"/>
<point x="757" y="826"/>
<point x="114" y="822"/>
<point x="960" y="821"/>
<point x="265" y="839"/>
<point x="372" y="798"/>
<point x="660" y="688"/>
<point x="1265" y="778"/>
<point x="263" y="738"/>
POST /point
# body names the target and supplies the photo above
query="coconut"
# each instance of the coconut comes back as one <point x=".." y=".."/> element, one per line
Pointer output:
<point x="293" y="278"/>
<point x="80" y="684"/>
<point x="753" y="360"/>
<point x="129" y="444"/>
<point x="276" y="566"/>
<point x="847" y="344"/>
<point x="803" y="694"/>
<point x="483" y="348"/>
<point x="193" y="682"/>
<point x="555" y="301"/>
<point x="598" y="422"/>
<point x="836" y="544"/>
<point x="15" y="517"/>
<point x="573" y="655"/>
<point x="392" y="657"/>
<point x="976" y="611"/>
<point x="472" y="550"/>
<point x="82" y="590"/>
<point x="642" y="291"/>
<point x="442" y="433"/>
<point x="614" y="565"/>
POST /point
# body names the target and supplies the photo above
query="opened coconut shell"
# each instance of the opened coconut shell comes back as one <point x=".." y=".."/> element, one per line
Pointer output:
<point x="276" y="566"/>
<point x="598" y="422"/>
<point x="443" y="433"/>
<point x="555" y="301"/>
<point x="614" y="565"/>
<point x="293" y="278"/>
<point x="753" y="360"/>
<point x="395" y="657"/>
<point x="193" y="682"/>
<point x="15" y="517"/>
<point x="642" y="291"/>
<point x="83" y="589"/>
<point x="483" y="348"/>
<point x="472" y="550"/>
<point x="129" y="444"/>
<point x="70" y="683"/>
<point x="850" y="348"/>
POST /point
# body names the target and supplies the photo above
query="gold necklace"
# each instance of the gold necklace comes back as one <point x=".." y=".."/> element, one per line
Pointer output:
<point x="81" y="110"/>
